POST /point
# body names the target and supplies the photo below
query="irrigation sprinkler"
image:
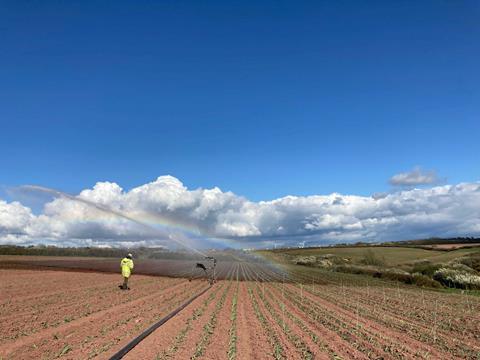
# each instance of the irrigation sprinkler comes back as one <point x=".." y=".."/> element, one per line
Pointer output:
<point x="212" y="278"/>
<point x="198" y="266"/>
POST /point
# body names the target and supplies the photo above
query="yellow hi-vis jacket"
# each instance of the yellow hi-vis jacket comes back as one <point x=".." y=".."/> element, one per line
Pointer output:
<point x="127" y="266"/>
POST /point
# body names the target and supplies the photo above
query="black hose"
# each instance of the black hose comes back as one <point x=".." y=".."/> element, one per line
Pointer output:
<point x="122" y="352"/>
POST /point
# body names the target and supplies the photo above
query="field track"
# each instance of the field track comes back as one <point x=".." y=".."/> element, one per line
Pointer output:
<point x="254" y="312"/>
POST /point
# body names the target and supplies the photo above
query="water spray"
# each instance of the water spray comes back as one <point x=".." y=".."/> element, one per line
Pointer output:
<point x="108" y="210"/>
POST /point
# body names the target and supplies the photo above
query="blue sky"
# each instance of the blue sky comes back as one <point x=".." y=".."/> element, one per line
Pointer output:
<point x="264" y="99"/>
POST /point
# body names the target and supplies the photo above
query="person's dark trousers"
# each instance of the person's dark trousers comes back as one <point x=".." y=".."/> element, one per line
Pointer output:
<point x="125" y="283"/>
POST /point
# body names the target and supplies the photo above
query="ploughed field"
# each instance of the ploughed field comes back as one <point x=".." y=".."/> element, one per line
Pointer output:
<point x="163" y="267"/>
<point x="255" y="312"/>
<point x="56" y="314"/>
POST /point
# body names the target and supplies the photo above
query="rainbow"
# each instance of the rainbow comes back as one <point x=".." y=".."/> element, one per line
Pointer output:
<point x="163" y="226"/>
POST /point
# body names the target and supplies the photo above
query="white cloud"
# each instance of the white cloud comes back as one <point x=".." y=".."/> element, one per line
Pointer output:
<point x="415" y="177"/>
<point x="448" y="210"/>
<point x="14" y="218"/>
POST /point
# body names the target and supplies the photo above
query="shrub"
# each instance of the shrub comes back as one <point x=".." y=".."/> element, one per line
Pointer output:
<point x="370" y="258"/>
<point x="426" y="268"/>
<point x="398" y="275"/>
<point x="305" y="260"/>
<point x="457" y="278"/>
<point x="423" y="280"/>
<point x="325" y="263"/>
<point x="390" y="274"/>
<point x="331" y="259"/>
<point x="463" y="268"/>
<point x="473" y="261"/>
<point x="353" y="269"/>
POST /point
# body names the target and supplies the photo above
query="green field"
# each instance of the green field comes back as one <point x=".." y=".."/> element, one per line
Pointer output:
<point x="459" y="268"/>
<point x="393" y="256"/>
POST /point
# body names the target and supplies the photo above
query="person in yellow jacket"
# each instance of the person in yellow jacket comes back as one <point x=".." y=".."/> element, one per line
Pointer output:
<point x="127" y="266"/>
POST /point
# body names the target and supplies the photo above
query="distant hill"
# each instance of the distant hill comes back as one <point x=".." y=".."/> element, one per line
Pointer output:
<point x="43" y="250"/>
<point x="138" y="253"/>
<point x="401" y="243"/>
<point x="437" y="241"/>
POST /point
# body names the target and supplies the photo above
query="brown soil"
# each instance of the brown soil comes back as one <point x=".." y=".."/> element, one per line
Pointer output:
<point x="452" y="246"/>
<point x="81" y="315"/>
<point x="218" y="346"/>
<point x="83" y="323"/>
<point x="371" y="335"/>
<point x="163" y="342"/>
<point x="252" y="341"/>
<point x="289" y="349"/>
<point x="160" y="267"/>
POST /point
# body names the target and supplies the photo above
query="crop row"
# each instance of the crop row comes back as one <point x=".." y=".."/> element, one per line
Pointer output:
<point x="278" y="351"/>
<point x="373" y="308"/>
<point x="232" y="344"/>
<point x="428" y="332"/>
<point x="182" y="335"/>
<point x="421" y="307"/>
<point x="313" y="335"/>
<point x="209" y="327"/>
<point x="302" y="348"/>
<point x="346" y="330"/>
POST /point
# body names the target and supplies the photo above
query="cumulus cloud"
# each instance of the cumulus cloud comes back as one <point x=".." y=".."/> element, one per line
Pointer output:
<point x="415" y="177"/>
<point x="15" y="218"/>
<point x="447" y="210"/>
